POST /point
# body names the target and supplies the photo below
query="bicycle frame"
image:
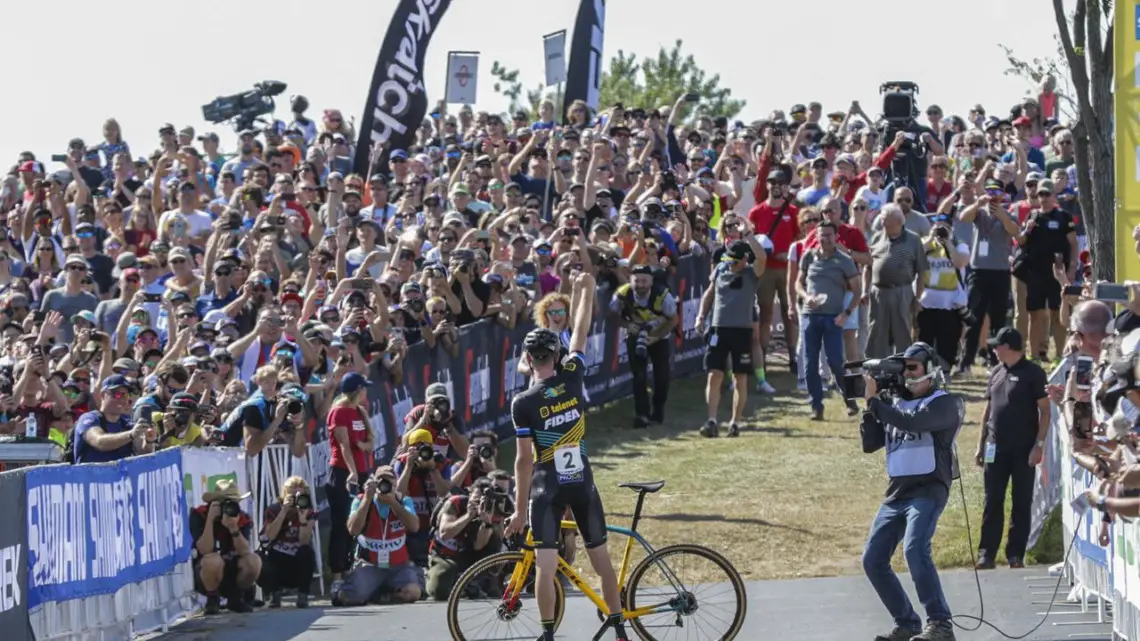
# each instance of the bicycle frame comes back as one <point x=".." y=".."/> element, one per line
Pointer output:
<point x="522" y="570"/>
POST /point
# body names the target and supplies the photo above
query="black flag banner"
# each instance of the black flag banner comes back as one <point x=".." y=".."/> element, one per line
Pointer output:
<point x="584" y="77"/>
<point x="397" y="100"/>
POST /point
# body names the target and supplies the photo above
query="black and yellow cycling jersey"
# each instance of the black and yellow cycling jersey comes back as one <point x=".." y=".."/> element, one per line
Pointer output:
<point x="553" y="413"/>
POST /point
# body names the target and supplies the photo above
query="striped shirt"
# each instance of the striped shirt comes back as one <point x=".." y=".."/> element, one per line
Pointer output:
<point x="897" y="262"/>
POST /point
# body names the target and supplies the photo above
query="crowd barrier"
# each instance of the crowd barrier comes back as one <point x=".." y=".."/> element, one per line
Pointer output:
<point x="1102" y="576"/>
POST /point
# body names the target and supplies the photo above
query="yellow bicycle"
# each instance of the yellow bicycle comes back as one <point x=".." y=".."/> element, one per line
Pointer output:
<point x="656" y="598"/>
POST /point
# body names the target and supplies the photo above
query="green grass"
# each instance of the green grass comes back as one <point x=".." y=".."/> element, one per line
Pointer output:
<point x="790" y="497"/>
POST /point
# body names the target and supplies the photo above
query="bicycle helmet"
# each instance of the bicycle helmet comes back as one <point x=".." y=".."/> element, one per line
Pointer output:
<point x="541" y="339"/>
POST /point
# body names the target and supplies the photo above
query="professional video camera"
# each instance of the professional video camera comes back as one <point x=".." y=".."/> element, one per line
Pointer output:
<point x="887" y="372"/>
<point x="245" y="107"/>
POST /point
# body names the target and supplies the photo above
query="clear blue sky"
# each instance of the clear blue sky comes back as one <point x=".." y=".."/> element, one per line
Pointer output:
<point x="146" y="63"/>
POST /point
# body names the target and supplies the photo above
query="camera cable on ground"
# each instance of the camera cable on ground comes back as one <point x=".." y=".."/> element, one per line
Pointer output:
<point x="980" y="620"/>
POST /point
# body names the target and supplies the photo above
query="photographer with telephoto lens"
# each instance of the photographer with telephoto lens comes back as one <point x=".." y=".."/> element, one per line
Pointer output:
<point x="288" y="558"/>
<point x="224" y="564"/>
<point x="943" y="302"/>
<point x="916" y="423"/>
<point x="480" y="459"/>
<point x="465" y="529"/>
<point x="436" y="416"/>
<point x="424" y="477"/>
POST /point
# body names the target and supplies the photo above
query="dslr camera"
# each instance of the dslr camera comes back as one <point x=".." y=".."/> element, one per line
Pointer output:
<point x="887" y="373"/>
<point x="440" y="409"/>
<point x="231" y="509"/>
<point x="303" y="501"/>
<point x="497" y="503"/>
<point x="426" y="453"/>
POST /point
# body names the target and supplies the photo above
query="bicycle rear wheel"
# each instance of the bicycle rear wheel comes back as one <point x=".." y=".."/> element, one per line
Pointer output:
<point x="485" y="606"/>
<point x="712" y="609"/>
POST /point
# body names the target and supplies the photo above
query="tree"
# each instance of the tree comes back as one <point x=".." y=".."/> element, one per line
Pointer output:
<point x="1085" y="44"/>
<point x="508" y="85"/>
<point x="650" y="83"/>
<point x="654" y="82"/>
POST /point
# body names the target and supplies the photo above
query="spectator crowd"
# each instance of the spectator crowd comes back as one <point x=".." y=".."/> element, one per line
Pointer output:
<point x="174" y="295"/>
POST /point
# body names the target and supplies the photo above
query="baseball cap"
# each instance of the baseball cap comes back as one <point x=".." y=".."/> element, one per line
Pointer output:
<point x="75" y="259"/>
<point x="84" y="314"/>
<point x="184" y="401"/>
<point x="115" y="381"/>
<point x="436" y="390"/>
<point x="398" y="153"/>
<point x="777" y="176"/>
<point x="208" y="136"/>
<point x="1009" y="337"/>
<point x="739" y="250"/>
<point x="420" y="437"/>
<point x="1034" y="176"/>
<point x="352" y="382"/>
<point x="460" y="188"/>
<point x="1045" y="187"/>
<point x="179" y="252"/>
<point x="125" y="364"/>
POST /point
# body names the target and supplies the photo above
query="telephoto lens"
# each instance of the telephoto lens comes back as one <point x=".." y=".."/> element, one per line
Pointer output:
<point x="485" y="451"/>
<point x="302" y="500"/>
<point x="231" y="508"/>
<point x="425" y="451"/>
<point x="384" y="486"/>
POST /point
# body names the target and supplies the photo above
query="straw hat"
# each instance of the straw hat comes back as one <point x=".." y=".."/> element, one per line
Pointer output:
<point x="225" y="489"/>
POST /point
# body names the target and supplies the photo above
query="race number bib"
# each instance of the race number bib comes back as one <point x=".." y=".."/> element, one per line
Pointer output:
<point x="568" y="460"/>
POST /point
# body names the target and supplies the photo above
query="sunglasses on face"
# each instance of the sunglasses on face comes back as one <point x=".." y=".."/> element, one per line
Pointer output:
<point x="447" y="239"/>
<point x="119" y="394"/>
<point x="76" y="268"/>
<point x="561" y="311"/>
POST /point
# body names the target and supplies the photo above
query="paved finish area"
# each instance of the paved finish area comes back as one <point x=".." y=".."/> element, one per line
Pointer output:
<point x="830" y="609"/>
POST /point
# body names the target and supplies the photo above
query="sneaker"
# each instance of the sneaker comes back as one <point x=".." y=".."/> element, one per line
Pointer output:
<point x="238" y="606"/>
<point x="640" y="422"/>
<point x="984" y="562"/>
<point x="303" y="600"/>
<point x="733" y="430"/>
<point x="898" y="634"/>
<point x="709" y="430"/>
<point x="935" y="631"/>
<point x="764" y="387"/>
<point x="213" y="604"/>
<point x="275" y="600"/>
<point x="852" y="408"/>
<point x="817" y="414"/>
<point x="1016" y="562"/>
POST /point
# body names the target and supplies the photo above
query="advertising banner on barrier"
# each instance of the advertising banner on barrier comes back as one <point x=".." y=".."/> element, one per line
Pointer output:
<point x="202" y="468"/>
<point x="93" y="529"/>
<point x="14" y="559"/>
<point x="1047" y="488"/>
<point x="483" y="376"/>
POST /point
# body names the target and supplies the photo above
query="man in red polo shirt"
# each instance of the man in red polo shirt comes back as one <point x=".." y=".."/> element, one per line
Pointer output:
<point x="777" y="218"/>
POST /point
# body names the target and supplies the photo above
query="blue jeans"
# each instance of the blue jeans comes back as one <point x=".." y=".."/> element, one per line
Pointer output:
<point x="913" y="522"/>
<point x="820" y="331"/>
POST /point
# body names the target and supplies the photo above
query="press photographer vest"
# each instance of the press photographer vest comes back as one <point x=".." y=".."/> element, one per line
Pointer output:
<point x="632" y="311"/>
<point x="422" y="492"/>
<point x="448" y="548"/>
<point x="911" y="453"/>
<point x="941" y="275"/>
<point x="382" y="542"/>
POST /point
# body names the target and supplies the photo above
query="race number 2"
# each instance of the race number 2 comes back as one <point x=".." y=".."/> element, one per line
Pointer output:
<point x="568" y="459"/>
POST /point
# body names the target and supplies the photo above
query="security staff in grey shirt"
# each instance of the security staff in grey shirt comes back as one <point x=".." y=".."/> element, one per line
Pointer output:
<point x="916" y="425"/>
<point x="732" y="298"/>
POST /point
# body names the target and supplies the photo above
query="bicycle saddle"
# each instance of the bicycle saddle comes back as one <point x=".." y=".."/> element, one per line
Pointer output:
<point x="649" y="487"/>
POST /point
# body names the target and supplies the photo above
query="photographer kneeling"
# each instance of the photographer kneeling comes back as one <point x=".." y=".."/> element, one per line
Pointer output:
<point x="288" y="558"/>
<point x="465" y="530"/>
<point x="917" y="423"/>
<point x="224" y="564"/>
<point x="380" y="521"/>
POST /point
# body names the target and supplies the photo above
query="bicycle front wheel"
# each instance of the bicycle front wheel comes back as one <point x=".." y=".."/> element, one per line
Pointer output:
<point x="694" y="593"/>
<point x="488" y="603"/>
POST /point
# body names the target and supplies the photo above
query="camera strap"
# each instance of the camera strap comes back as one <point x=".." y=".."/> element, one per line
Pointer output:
<point x="779" y="217"/>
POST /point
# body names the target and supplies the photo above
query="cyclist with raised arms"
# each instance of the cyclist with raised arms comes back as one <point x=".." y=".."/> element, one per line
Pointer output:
<point x="551" y="417"/>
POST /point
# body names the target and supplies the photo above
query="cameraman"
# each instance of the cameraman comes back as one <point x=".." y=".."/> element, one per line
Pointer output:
<point x="224" y="563"/>
<point x="480" y="459"/>
<point x="288" y="558"/>
<point x="943" y="301"/>
<point x="176" y="426"/>
<point x="469" y="528"/>
<point x="917" y="423"/>
<point x="423" y="477"/>
<point x="648" y="311"/>
<point x="435" y="416"/>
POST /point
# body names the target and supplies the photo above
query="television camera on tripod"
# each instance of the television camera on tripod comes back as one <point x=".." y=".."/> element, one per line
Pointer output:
<point x="900" y="108"/>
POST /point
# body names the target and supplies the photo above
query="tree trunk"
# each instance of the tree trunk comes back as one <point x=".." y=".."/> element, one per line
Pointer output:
<point x="1102" y="233"/>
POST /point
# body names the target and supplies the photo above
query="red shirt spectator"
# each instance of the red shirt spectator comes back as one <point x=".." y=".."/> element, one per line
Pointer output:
<point x="935" y="196"/>
<point x="882" y="162"/>
<point x="352" y="420"/>
<point x="849" y="236"/>
<point x="780" y="224"/>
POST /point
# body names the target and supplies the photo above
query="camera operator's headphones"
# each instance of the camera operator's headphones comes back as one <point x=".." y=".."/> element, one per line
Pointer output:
<point x="931" y="362"/>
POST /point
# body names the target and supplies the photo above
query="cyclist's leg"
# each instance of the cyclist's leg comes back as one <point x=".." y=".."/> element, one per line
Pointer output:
<point x="591" y="519"/>
<point x="546" y="510"/>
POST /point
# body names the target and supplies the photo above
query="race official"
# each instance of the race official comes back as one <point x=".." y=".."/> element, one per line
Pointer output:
<point x="728" y="341"/>
<point x="648" y="310"/>
<point x="1015" y="422"/>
